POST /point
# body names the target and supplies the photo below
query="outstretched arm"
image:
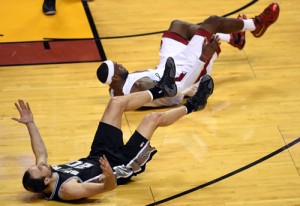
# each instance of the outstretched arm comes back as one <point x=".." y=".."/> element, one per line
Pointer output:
<point x="37" y="144"/>
<point x="73" y="190"/>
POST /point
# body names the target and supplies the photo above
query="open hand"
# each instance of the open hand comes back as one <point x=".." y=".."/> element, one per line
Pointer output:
<point x="107" y="177"/>
<point x="26" y="115"/>
<point x="105" y="166"/>
<point x="209" y="48"/>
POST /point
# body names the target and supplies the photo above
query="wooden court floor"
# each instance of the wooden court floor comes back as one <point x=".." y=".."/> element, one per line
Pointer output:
<point x="254" y="111"/>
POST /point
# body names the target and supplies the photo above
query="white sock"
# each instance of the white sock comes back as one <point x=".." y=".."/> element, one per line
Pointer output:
<point x="224" y="37"/>
<point x="186" y="110"/>
<point x="150" y="95"/>
<point x="248" y="25"/>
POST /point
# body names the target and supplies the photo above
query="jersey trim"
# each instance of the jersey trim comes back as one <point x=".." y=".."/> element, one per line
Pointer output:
<point x="175" y="37"/>
<point x="208" y="35"/>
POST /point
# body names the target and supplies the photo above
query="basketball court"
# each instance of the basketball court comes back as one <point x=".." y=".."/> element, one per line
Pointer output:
<point x="242" y="149"/>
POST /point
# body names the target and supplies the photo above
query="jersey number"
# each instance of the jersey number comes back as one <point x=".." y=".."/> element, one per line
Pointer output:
<point x="80" y="165"/>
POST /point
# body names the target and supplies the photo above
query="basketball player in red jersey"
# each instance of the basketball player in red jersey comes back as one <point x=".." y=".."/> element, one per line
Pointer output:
<point x="184" y="42"/>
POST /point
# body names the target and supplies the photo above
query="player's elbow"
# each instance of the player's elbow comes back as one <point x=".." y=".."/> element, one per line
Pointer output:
<point x="67" y="194"/>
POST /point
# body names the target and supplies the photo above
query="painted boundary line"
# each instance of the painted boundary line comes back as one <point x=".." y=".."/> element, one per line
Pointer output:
<point x="159" y="32"/>
<point x="229" y="174"/>
<point x="94" y="30"/>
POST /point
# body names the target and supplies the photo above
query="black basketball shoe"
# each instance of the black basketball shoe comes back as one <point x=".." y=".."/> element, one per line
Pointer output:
<point x="205" y="89"/>
<point x="167" y="81"/>
<point x="49" y="7"/>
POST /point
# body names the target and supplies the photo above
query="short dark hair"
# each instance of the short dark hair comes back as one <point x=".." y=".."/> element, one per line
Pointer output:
<point x="102" y="73"/>
<point x="33" y="185"/>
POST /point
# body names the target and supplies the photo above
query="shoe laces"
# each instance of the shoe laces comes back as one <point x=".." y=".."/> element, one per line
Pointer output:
<point x="167" y="81"/>
<point x="155" y="81"/>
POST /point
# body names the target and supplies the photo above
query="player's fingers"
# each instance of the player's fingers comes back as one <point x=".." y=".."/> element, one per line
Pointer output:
<point x="28" y="107"/>
<point x="216" y="43"/>
<point x="205" y="41"/>
<point x="21" y="103"/>
<point x="103" y="161"/>
<point x="18" y="108"/>
<point x="218" y="40"/>
<point x="104" y="157"/>
<point x="212" y="38"/>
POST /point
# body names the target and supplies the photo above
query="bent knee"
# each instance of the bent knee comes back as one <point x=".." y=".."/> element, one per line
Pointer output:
<point x="177" y="26"/>
<point x="214" y="19"/>
<point x="212" y="24"/>
<point x="176" y="23"/>
<point x="117" y="102"/>
<point x="153" y="118"/>
<point x="181" y="28"/>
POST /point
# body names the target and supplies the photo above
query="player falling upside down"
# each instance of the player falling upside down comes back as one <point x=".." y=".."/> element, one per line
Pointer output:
<point x="110" y="161"/>
<point x="194" y="57"/>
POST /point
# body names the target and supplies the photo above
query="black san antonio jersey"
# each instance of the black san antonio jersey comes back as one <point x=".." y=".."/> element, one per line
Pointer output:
<point x="88" y="169"/>
<point x="83" y="170"/>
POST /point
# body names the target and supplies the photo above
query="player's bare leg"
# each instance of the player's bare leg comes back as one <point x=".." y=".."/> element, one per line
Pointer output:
<point x="166" y="87"/>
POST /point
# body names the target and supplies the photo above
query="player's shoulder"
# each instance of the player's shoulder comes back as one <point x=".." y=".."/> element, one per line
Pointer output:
<point x="67" y="189"/>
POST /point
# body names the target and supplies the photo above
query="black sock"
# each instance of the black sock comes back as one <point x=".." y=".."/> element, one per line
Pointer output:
<point x="157" y="92"/>
<point x="189" y="107"/>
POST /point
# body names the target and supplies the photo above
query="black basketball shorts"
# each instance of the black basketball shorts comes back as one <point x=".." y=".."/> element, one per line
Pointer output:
<point x="126" y="159"/>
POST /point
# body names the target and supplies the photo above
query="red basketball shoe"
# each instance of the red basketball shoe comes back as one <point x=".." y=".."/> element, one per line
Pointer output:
<point x="265" y="19"/>
<point x="238" y="39"/>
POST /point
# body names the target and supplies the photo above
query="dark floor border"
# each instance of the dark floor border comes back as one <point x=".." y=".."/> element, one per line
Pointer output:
<point x="48" y="52"/>
<point x="94" y="29"/>
<point x="55" y="51"/>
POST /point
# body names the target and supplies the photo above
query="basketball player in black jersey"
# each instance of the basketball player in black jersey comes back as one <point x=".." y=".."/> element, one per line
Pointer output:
<point x="110" y="161"/>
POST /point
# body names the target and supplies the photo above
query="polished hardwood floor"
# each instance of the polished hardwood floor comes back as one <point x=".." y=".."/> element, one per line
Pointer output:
<point x="254" y="111"/>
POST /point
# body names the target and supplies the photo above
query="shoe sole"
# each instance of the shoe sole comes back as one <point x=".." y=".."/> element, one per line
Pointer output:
<point x="171" y="92"/>
<point x="210" y="86"/>
<point x="206" y="78"/>
<point x="49" y="12"/>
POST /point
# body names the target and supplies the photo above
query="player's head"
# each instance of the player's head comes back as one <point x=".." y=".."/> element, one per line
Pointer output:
<point x="37" y="177"/>
<point x="109" y="72"/>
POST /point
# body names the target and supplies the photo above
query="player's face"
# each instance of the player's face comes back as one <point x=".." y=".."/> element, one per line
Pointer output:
<point x="120" y="70"/>
<point x="41" y="170"/>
